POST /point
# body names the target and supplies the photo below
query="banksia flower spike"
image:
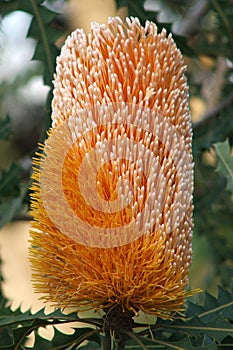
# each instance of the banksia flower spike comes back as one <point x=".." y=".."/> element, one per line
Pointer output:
<point x="112" y="192"/>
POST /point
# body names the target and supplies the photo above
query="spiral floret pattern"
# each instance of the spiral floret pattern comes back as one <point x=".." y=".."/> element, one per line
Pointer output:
<point x="113" y="183"/>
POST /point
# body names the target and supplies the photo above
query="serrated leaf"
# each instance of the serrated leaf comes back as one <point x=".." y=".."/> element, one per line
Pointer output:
<point x="165" y="344"/>
<point x="217" y="329"/>
<point x="56" y="316"/>
<point x="22" y="324"/>
<point x="212" y="307"/>
<point x="61" y="340"/>
<point x="225" y="162"/>
<point x="208" y="324"/>
<point x="5" y="128"/>
<point x="42" y="31"/>
<point x="185" y="344"/>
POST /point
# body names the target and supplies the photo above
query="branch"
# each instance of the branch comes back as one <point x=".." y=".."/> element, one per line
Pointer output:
<point x="189" y="24"/>
<point x="22" y="217"/>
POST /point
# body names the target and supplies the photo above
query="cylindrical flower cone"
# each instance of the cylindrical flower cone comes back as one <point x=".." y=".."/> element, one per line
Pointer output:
<point x="112" y="192"/>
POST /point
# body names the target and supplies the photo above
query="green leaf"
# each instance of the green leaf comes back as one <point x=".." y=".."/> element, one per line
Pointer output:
<point x="5" y="128"/>
<point x="204" y="327"/>
<point x="12" y="193"/>
<point x="42" y="30"/>
<point x="217" y="329"/>
<point x="213" y="130"/>
<point x="29" y="318"/>
<point x="64" y="341"/>
<point x="9" y="180"/>
<point x="225" y="162"/>
<point x="19" y="325"/>
<point x="225" y="17"/>
<point x="167" y="344"/>
<point x="10" y="208"/>
<point x="212" y="307"/>
<point x="213" y="217"/>
<point x="8" y="6"/>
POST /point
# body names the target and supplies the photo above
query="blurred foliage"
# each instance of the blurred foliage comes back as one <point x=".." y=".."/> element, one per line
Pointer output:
<point x="206" y="38"/>
<point x="5" y="128"/>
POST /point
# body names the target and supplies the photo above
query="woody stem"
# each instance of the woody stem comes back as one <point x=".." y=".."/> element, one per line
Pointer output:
<point x="117" y="322"/>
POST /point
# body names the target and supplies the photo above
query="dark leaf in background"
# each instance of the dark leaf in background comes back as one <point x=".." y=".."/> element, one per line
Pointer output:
<point x="12" y="193"/>
<point x="225" y="162"/>
<point x="5" y="128"/>
<point x="10" y="180"/>
<point x="41" y="29"/>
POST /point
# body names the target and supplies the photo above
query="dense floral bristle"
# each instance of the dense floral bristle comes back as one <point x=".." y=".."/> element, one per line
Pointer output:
<point x="112" y="195"/>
